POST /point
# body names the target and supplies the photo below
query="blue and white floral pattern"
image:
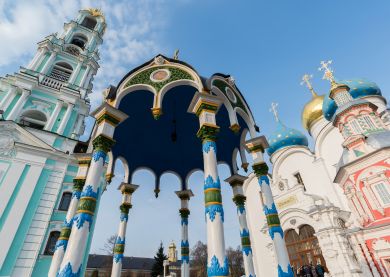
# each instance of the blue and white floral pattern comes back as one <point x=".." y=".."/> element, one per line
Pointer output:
<point x="215" y="269"/>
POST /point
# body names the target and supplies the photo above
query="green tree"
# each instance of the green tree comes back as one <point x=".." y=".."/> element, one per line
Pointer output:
<point x="158" y="267"/>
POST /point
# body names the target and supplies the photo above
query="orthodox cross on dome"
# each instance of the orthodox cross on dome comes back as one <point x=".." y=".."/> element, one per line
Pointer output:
<point x="274" y="110"/>
<point x="328" y="72"/>
<point x="306" y="81"/>
<point x="176" y="54"/>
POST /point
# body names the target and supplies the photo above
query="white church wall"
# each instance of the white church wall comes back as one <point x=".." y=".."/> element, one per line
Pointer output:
<point x="292" y="160"/>
<point x="263" y="255"/>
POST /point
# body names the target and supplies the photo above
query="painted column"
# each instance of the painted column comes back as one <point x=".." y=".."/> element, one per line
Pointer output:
<point x="65" y="119"/>
<point x="237" y="181"/>
<point x="127" y="190"/>
<point x="205" y="107"/>
<point x="107" y="118"/>
<point x="256" y="147"/>
<point x="62" y="242"/>
<point x="19" y="105"/>
<point x="8" y="98"/>
<point x="49" y="62"/>
<point x="54" y="115"/>
<point x="85" y="76"/>
<point x="75" y="73"/>
<point x="184" y="196"/>
<point x="37" y="59"/>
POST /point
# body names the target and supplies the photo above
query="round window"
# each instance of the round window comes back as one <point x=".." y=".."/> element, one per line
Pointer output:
<point x="160" y="75"/>
<point x="230" y="95"/>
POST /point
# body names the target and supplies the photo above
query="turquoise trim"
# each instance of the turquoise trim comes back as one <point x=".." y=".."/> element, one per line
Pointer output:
<point x="68" y="179"/>
<point x="6" y="171"/>
<point x="58" y="142"/>
<point x="29" y="105"/>
<point x="58" y="119"/>
<point x="42" y="94"/>
<point x="42" y="265"/>
<point x="58" y="215"/>
<point x="72" y="168"/>
<point x="69" y="125"/>
<point x="20" y="236"/>
<point x="40" y="67"/>
<point x="80" y="75"/>
<point x="11" y="106"/>
<point x="15" y="193"/>
<point x="50" y="162"/>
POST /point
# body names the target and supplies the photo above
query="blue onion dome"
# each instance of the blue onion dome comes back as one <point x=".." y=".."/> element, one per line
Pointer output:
<point x="358" y="88"/>
<point x="284" y="136"/>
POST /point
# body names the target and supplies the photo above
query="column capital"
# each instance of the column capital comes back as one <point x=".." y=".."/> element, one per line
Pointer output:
<point x="126" y="188"/>
<point x="236" y="180"/>
<point x="78" y="184"/>
<point x="204" y="101"/>
<point x="105" y="113"/>
<point x="256" y="144"/>
<point x="103" y="143"/>
<point x="184" y="194"/>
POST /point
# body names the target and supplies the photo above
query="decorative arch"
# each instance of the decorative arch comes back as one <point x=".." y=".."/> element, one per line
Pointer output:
<point x="182" y="186"/>
<point x="79" y="40"/>
<point x="248" y="120"/>
<point x="159" y="75"/>
<point x="34" y="118"/>
<point x="125" y="167"/>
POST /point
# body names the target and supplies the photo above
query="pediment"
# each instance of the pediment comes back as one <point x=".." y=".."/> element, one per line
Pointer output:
<point x="12" y="134"/>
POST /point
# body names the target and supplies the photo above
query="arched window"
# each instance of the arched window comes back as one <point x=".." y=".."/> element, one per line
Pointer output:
<point x="65" y="201"/>
<point x="61" y="71"/>
<point x="79" y="40"/>
<point x="34" y="119"/>
<point x="303" y="249"/>
<point x="89" y="23"/>
<point x="51" y="243"/>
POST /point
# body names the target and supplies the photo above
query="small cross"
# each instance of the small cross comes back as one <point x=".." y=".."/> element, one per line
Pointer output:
<point x="176" y="54"/>
<point x="306" y="81"/>
<point x="274" y="110"/>
<point x="328" y="72"/>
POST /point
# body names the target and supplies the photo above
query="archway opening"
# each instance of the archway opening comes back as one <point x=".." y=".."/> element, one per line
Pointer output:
<point x="34" y="119"/>
<point x="303" y="248"/>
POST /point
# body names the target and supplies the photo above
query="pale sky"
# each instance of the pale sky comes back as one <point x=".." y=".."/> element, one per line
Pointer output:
<point x="266" y="45"/>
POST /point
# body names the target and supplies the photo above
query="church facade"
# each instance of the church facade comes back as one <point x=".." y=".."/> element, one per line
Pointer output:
<point x="333" y="198"/>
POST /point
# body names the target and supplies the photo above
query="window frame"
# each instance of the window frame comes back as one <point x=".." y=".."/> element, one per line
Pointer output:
<point x="378" y="195"/>
<point x="46" y="250"/>
<point x="62" y="199"/>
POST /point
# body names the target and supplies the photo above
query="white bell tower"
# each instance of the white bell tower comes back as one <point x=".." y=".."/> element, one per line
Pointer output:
<point x="51" y="93"/>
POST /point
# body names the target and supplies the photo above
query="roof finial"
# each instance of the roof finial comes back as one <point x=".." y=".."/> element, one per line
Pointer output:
<point x="306" y="81"/>
<point x="273" y="110"/>
<point x="328" y="72"/>
<point x="176" y="54"/>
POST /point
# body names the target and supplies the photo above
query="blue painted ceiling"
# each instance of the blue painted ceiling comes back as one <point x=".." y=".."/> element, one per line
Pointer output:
<point x="147" y="143"/>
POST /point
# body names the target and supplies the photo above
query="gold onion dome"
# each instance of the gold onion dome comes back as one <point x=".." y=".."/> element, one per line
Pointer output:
<point x="312" y="110"/>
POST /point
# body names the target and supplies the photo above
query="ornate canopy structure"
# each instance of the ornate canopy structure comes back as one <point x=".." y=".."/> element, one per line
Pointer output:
<point x="165" y="117"/>
<point x="160" y="133"/>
